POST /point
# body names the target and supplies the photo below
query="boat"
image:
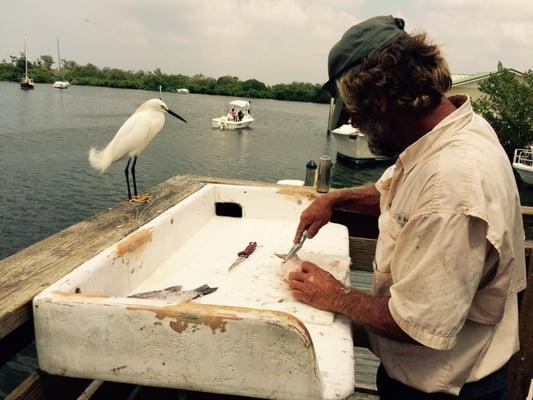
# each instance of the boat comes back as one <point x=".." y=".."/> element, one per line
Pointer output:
<point x="26" y="83"/>
<point x="523" y="164"/>
<point x="238" y="116"/>
<point x="60" y="83"/>
<point x="182" y="91"/>
<point x="352" y="145"/>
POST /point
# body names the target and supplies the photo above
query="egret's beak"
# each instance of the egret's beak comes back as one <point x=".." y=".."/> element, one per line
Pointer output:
<point x="175" y="115"/>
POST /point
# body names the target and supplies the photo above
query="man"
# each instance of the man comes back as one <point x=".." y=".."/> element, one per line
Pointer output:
<point x="449" y="259"/>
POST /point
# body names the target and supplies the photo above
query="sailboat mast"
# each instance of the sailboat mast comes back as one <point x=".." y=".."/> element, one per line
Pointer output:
<point x="25" y="59"/>
<point x="59" y="61"/>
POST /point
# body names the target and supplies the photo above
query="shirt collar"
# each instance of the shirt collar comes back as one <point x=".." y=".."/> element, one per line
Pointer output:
<point x="434" y="138"/>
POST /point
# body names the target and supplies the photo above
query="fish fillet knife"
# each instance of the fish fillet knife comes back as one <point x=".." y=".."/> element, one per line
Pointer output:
<point x="243" y="255"/>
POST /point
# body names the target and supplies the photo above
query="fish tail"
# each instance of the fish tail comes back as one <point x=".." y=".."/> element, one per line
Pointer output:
<point x="204" y="290"/>
<point x="100" y="159"/>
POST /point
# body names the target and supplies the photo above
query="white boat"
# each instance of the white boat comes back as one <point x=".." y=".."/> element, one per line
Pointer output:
<point x="238" y="116"/>
<point x="523" y="164"/>
<point x="26" y="83"/>
<point x="353" y="145"/>
<point x="182" y="91"/>
<point x="60" y="83"/>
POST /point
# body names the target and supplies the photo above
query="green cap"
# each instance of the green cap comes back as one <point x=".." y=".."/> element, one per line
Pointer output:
<point x="360" y="41"/>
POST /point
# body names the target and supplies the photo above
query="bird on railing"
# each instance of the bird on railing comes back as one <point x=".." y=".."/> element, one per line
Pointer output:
<point x="131" y="139"/>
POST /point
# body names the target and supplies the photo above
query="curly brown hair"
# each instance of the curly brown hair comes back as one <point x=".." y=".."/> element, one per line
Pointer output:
<point x="410" y="74"/>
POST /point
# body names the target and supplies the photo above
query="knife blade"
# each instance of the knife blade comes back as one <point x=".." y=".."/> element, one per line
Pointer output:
<point x="243" y="255"/>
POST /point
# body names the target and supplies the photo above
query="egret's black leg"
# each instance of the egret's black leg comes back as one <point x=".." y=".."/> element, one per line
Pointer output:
<point x="128" y="178"/>
<point x="133" y="175"/>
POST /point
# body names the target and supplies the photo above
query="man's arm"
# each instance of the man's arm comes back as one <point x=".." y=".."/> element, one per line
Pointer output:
<point x="362" y="199"/>
<point x="318" y="288"/>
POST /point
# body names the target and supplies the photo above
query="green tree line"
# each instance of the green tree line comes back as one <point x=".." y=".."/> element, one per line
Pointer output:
<point x="507" y="104"/>
<point x="42" y="70"/>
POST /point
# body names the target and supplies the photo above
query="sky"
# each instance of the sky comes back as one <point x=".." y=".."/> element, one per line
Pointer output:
<point x="274" y="41"/>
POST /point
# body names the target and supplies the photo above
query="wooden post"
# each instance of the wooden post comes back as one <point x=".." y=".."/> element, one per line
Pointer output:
<point x="330" y="115"/>
<point x="521" y="364"/>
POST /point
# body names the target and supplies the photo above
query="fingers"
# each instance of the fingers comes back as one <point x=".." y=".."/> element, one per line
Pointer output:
<point x="297" y="285"/>
<point x="297" y="276"/>
<point x="313" y="229"/>
<point x="302" y="226"/>
<point x="308" y="267"/>
<point x="302" y="296"/>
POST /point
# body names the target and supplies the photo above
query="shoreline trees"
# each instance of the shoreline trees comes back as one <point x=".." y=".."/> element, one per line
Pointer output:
<point x="43" y="70"/>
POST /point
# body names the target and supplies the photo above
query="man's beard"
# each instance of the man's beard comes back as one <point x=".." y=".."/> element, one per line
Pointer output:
<point x="380" y="137"/>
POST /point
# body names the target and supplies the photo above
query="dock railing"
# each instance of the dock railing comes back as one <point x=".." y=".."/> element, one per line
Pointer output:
<point x="523" y="156"/>
<point x="27" y="272"/>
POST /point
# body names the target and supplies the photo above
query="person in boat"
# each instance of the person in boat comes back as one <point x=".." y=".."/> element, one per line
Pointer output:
<point x="449" y="260"/>
<point x="240" y="115"/>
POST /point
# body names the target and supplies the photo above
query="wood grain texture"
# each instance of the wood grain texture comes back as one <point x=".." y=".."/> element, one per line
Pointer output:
<point x="30" y="389"/>
<point x="362" y="252"/>
<point x="521" y="364"/>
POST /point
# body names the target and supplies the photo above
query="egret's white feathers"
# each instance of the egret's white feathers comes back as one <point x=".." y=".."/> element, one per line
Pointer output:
<point x="99" y="160"/>
<point x="132" y="137"/>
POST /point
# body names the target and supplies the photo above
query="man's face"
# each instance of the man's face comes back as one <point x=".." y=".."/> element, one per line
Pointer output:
<point x="379" y="135"/>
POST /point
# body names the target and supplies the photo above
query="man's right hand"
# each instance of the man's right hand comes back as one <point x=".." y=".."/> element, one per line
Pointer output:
<point x="315" y="217"/>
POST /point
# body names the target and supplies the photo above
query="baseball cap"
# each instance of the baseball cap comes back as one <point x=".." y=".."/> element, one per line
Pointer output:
<point x="359" y="42"/>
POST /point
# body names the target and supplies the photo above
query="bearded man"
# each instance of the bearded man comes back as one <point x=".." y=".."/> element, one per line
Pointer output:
<point x="449" y="262"/>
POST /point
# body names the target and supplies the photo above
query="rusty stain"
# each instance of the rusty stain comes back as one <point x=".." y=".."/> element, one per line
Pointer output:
<point x="213" y="322"/>
<point x="80" y="295"/>
<point x="216" y="317"/>
<point x="117" y="369"/>
<point x="298" y="192"/>
<point x="134" y="242"/>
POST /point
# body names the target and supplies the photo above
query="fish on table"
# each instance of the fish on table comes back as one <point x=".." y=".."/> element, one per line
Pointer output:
<point x="175" y="294"/>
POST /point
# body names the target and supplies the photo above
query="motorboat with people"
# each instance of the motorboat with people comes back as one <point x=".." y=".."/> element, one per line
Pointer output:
<point x="352" y="145"/>
<point x="238" y="115"/>
<point x="523" y="164"/>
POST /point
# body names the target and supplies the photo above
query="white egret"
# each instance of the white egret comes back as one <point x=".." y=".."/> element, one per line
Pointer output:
<point x="132" y="138"/>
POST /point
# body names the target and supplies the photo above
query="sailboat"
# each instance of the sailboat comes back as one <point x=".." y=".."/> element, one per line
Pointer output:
<point x="26" y="83"/>
<point x="60" y="83"/>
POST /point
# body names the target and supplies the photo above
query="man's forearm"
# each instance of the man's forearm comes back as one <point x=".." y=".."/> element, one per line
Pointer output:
<point x="372" y="312"/>
<point x="362" y="199"/>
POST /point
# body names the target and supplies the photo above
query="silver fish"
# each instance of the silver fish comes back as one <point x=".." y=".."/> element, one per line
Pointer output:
<point x="175" y="294"/>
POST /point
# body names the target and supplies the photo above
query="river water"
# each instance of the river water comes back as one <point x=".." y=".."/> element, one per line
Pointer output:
<point x="46" y="183"/>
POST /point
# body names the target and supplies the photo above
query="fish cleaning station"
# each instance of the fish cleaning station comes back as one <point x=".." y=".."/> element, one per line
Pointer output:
<point x="185" y="295"/>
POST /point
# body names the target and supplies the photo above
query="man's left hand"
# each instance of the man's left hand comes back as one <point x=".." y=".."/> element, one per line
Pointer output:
<point x="316" y="287"/>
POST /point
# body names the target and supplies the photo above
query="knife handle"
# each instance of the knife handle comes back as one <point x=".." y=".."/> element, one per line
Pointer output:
<point x="248" y="250"/>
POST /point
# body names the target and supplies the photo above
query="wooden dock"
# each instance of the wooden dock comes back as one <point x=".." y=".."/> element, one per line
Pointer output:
<point x="27" y="272"/>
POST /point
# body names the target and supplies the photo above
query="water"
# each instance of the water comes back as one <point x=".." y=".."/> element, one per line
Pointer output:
<point x="46" y="183"/>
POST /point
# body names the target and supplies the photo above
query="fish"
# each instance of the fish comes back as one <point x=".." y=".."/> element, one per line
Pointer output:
<point x="175" y="294"/>
<point x="289" y="265"/>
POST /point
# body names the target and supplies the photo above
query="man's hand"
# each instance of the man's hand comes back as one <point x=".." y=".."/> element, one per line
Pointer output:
<point x="314" y="217"/>
<point x="316" y="287"/>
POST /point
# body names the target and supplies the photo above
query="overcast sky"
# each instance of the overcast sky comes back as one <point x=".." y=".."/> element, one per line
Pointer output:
<point x="274" y="41"/>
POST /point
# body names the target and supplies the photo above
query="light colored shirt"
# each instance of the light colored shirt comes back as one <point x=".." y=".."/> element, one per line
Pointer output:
<point x="450" y="253"/>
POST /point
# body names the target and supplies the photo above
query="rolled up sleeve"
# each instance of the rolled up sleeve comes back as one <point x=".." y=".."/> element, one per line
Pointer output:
<point x="437" y="263"/>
